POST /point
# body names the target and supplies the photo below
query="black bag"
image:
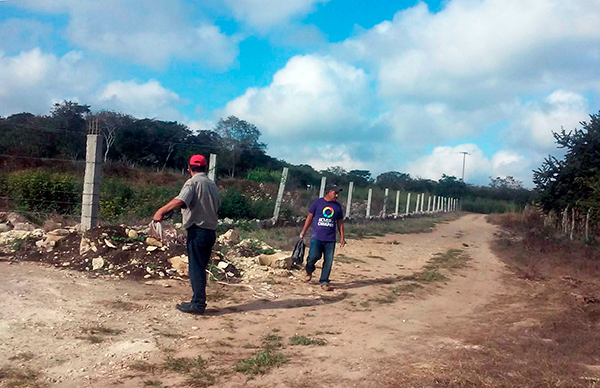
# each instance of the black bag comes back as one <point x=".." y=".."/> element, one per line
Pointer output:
<point x="298" y="254"/>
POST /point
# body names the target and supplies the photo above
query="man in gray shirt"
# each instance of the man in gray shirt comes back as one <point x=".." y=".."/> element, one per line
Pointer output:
<point x="199" y="201"/>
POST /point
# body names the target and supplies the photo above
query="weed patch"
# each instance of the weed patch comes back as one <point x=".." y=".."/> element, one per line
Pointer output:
<point x="261" y="363"/>
<point x="306" y="341"/>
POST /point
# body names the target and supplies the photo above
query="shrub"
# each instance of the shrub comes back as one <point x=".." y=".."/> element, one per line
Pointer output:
<point x="263" y="175"/>
<point x="43" y="191"/>
<point x="234" y="204"/>
<point x="487" y="206"/>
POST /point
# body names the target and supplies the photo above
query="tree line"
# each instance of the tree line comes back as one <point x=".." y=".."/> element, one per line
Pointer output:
<point x="160" y="145"/>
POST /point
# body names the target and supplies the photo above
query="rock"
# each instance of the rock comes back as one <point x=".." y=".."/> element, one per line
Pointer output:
<point x="281" y="260"/>
<point x="45" y="245"/>
<point x="110" y="244"/>
<point x="229" y="238"/>
<point x="228" y="221"/>
<point x="38" y="233"/>
<point x="223" y="264"/>
<point x="150" y="270"/>
<point x="265" y="224"/>
<point x="51" y="225"/>
<point x="84" y="246"/>
<point x="127" y="247"/>
<point x="97" y="263"/>
<point x="153" y="242"/>
<point x="59" y="232"/>
<point x="26" y="226"/>
<point x="12" y="235"/>
<point x="132" y="234"/>
<point x="151" y="248"/>
<point x="282" y="273"/>
<point x="180" y="264"/>
<point x="148" y="276"/>
<point x="5" y="227"/>
<point x="13" y="218"/>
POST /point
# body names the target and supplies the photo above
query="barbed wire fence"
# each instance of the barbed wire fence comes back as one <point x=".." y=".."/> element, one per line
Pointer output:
<point x="80" y="202"/>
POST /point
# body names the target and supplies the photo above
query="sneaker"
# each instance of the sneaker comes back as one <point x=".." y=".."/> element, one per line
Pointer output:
<point x="326" y="287"/>
<point x="308" y="277"/>
<point x="190" y="308"/>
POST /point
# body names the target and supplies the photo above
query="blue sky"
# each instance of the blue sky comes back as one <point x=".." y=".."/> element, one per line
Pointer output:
<point x="378" y="85"/>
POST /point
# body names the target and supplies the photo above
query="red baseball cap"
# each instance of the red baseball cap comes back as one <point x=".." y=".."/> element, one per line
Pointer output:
<point x="198" y="160"/>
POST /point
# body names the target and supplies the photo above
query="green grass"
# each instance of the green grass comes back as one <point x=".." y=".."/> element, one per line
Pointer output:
<point x="306" y="341"/>
<point x="272" y="341"/>
<point x="261" y="363"/>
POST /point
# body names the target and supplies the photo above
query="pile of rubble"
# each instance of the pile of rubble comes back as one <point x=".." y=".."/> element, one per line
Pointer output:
<point x="130" y="252"/>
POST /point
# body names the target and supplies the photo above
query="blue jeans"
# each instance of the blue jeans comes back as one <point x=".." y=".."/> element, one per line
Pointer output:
<point x="199" y="247"/>
<point x="320" y="248"/>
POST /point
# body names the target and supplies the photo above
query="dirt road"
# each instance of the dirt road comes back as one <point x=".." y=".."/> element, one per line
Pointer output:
<point x="81" y="332"/>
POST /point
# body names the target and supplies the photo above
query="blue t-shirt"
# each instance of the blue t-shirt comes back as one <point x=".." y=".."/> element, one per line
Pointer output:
<point x="326" y="214"/>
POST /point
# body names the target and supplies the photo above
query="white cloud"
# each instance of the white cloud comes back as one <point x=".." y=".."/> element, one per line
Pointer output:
<point x="478" y="167"/>
<point x="264" y="14"/>
<point x="477" y="52"/>
<point x="311" y="98"/>
<point x="561" y="109"/>
<point x="148" y="99"/>
<point x="150" y="32"/>
<point x="23" y="34"/>
<point x="32" y="80"/>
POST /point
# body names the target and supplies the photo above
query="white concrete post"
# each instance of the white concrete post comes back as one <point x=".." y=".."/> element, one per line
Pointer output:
<point x="422" y="201"/>
<point x="322" y="190"/>
<point x="385" y="198"/>
<point x="417" y="203"/>
<point x="408" y="204"/>
<point x="349" y="201"/>
<point x="435" y="202"/>
<point x="369" y="203"/>
<point x="90" y="202"/>
<point x="212" y="167"/>
<point x="429" y="204"/>
<point x="284" y="175"/>
<point x="397" y="203"/>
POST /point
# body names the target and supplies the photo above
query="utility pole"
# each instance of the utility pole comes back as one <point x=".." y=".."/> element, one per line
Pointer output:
<point x="463" y="170"/>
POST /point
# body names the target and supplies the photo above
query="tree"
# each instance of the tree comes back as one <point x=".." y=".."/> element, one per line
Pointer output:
<point x="450" y="186"/>
<point x="110" y="123"/>
<point x="393" y="179"/>
<point x="237" y="136"/>
<point x="508" y="183"/>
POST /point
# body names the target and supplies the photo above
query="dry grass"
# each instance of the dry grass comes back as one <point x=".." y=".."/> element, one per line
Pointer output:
<point x="545" y="337"/>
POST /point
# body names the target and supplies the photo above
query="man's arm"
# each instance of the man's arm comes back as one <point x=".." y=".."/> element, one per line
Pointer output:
<point x="307" y="223"/>
<point x="172" y="205"/>
<point x="340" y="225"/>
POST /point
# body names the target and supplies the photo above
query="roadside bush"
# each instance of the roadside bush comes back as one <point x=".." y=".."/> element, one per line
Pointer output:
<point x="234" y="204"/>
<point x="43" y="191"/>
<point x="263" y="175"/>
<point x="262" y="209"/>
<point x="487" y="206"/>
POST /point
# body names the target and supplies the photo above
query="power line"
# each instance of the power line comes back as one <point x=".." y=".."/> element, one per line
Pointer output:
<point x="42" y="159"/>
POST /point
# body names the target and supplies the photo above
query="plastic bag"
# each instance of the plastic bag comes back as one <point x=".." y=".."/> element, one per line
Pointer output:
<point x="298" y="254"/>
<point x="165" y="233"/>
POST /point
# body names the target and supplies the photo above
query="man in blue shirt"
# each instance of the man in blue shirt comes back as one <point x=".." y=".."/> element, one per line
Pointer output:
<point x="324" y="215"/>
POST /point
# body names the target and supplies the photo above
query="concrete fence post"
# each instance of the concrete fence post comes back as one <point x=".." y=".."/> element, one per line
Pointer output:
<point x="90" y="201"/>
<point x="369" y="198"/>
<point x="385" y="198"/>
<point x="422" y="201"/>
<point x="429" y="204"/>
<point x="417" y="204"/>
<point x="349" y="201"/>
<point x="408" y="204"/>
<point x="397" y="203"/>
<point x="284" y="175"/>
<point x="212" y="167"/>
<point x="322" y="190"/>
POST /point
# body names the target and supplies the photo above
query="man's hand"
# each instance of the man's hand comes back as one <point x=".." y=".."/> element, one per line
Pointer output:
<point x="158" y="216"/>
<point x="342" y="242"/>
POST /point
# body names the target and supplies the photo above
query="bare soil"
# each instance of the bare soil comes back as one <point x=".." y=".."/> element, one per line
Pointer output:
<point x="402" y="308"/>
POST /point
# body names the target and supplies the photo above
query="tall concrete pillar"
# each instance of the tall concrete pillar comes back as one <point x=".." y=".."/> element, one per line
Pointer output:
<point x="349" y="201"/>
<point x="417" y="203"/>
<point x="429" y="204"/>
<point x="369" y="197"/>
<point x="408" y="204"/>
<point x="90" y="202"/>
<point x="385" y="198"/>
<point x="212" y="167"/>
<point x="322" y="190"/>
<point x="422" y="201"/>
<point x="397" y="203"/>
<point x="284" y="175"/>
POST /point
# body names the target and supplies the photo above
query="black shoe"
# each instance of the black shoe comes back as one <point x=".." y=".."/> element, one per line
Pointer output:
<point x="187" y="307"/>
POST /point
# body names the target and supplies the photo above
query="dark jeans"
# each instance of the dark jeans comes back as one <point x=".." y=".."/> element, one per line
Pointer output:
<point x="199" y="247"/>
<point x="320" y="248"/>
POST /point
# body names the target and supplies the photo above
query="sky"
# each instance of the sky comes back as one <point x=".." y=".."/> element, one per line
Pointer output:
<point x="377" y="85"/>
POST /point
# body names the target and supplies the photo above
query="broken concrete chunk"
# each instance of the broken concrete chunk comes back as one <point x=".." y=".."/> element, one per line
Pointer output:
<point x="58" y="232"/>
<point x="151" y="248"/>
<point x="84" y="246"/>
<point x="180" y="264"/>
<point x="153" y="242"/>
<point x="229" y="238"/>
<point x="277" y="260"/>
<point x="223" y="264"/>
<point x="110" y="244"/>
<point x="97" y="263"/>
<point x="132" y="234"/>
